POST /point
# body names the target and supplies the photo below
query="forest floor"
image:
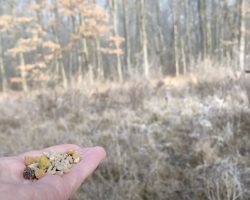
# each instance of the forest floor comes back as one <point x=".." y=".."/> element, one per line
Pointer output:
<point x="185" y="138"/>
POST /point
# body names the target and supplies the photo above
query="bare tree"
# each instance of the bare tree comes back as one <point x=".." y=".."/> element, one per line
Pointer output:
<point x="144" y="39"/>
<point x="188" y="29"/>
<point x="242" y="37"/>
<point x="114" y="6"/>
<point x="126" y="19"/>
<point x="202" y="26"/>
<point x="2" y="67"/>
<point x="176" y="36"/>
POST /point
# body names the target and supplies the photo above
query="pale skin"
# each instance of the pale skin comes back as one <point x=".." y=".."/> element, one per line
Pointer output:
<point x="14" y="186"/>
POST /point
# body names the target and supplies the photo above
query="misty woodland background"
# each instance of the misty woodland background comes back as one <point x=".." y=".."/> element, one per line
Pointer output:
<point x="161" y="85"/>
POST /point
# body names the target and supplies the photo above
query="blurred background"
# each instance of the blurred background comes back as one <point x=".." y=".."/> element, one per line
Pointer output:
<point x="163" y="85"/>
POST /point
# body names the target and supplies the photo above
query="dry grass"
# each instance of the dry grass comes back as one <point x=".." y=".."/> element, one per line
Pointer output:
<point x="185" y="138"/>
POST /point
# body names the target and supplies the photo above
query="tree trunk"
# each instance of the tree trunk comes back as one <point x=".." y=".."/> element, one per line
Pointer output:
<point x="214" y="27"/>
<point x="143" y="22"/>
<point x="79" y="51"/>
<point x="234" y="36"/>
<point x="87" y="60"/>
<point x="2" y="68"/>
<point x="114" y="5"/>
<point x="127" y="37"/>
<point x="242" y="35"/>
<point x="59" y="60"/>
<point x="162" y="42"/>
<point x="202" y="27"/>
<point x="188" y="24"/>
<point x="176" y="37"/>
<point x="23" y="73"/>
<point x="158" y="38"/>
<point x="183" y="55"/>
<point x="208" y="30"/>
<point x="138" y="34"/>
<point x="100" y="70"/>
<point x="63" y="74"/>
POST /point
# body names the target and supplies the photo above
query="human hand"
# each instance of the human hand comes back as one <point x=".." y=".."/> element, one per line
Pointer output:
<point x="50" y="187"/>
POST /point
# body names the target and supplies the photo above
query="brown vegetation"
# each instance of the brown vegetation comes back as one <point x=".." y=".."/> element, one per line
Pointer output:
<point x="195" y="145"/>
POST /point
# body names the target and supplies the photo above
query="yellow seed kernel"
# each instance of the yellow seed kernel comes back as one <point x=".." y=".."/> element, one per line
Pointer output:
<point x="77" y="160"/>
<point x="44" y="162"/>
<point x="36" y="159"/>
<point x="39" y="173"/>
<point x="76" y="157"/>
<point x="71" y="152"/>
<point x="28" y="160"/>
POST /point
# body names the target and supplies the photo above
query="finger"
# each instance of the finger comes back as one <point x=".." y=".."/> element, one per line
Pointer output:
<point x="90" y="160"/>
<point x="10" y="170"/>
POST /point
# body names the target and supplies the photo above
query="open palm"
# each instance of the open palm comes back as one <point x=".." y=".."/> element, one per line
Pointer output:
<point x="14" y="186"/>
